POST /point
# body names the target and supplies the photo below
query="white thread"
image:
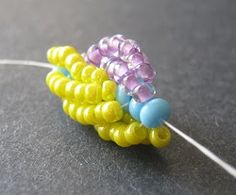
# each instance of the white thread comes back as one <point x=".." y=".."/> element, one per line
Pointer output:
<point x="26" y="63"/>
<point x="227" y="167"/>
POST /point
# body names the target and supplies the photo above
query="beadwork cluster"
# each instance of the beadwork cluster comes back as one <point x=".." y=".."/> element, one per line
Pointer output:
<point x="111" y="88"/>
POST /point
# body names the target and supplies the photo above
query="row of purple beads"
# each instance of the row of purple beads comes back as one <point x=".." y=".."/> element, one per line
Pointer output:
<point x="124" y="63"/>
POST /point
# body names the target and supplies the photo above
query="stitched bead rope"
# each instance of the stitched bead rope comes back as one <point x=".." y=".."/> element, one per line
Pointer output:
<point x="89" y="97"/>
<point x="106" y="115"/>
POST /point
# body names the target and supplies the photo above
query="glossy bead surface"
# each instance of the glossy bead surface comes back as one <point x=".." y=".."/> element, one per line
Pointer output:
<point x="93" y="93"/>
<point x="71" y="59"/>
<point x="79" y="93"/>
<point x="122" y="97"/>
<point x="135" y="59"/>
<point x="76" y="70"/>
<point x="108" y="90"/>
<point x="135" y="133"/>
<point x="104" y="46"/>
<point x="154" y="112"/>
<point x="146" y="72"/>
<point x="112" y="111"/>
<point x="130" y="82"/>
<point x="103" y="131"/>
<point x="86" y="73"/>
<point x="135" y="108"/>
<point x="160" y="137"/>
<point x="128" y="47"/>
<point x="99" y="75"/>
<point x="143" y="92"/>
<point x="94" y="55"/>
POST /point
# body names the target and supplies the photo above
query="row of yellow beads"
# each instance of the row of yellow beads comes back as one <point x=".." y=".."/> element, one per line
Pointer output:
<point x="69" y="58"/>
<point x="125" y="135"/>
<point x="90" y="93"/>
<point x="103" y="112"/>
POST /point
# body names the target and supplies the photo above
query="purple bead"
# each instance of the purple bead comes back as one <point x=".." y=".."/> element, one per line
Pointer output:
<point x="114" y="44"/>
<point x="145" y="72"/>
<point x="121" y="68"/>
<point x="94" y="55"/>
<point x="128" y="47"/>
<point x="143" y="92"/>
<point x="104" y="46"/>
<point x="135" y="59"/>
<point x="104" y="62"/>
<point x="130" y="82"/>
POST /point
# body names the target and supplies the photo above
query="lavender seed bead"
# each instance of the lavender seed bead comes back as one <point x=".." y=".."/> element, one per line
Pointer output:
<point x="94" y="55"/>
<point x="146" y="72"/>
<point x="128" y="47"/>
<point x="114" y="44"/>
<point x="135" y="59"/>
<point x="104" y="46"/>
<point x="144" y="92"/>
<point x="130" y="82"/>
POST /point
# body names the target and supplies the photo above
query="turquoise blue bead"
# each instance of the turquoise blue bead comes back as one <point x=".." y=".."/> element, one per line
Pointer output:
<point x="63" y="71"/>
<point x="135" y="108"/>
<point x="122" y="97"/>
<point x="154" y="112"/>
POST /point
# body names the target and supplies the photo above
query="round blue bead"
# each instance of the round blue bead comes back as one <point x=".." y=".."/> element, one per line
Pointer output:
<point x="122" y="97"/>
<point x="154" y="112"/>
<point x="134" y="109"/>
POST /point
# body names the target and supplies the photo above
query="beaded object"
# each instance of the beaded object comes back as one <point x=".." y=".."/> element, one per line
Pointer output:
<point x="110" y="87"/>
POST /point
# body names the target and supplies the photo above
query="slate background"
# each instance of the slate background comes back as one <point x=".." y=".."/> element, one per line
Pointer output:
<point x="193" y="46"/>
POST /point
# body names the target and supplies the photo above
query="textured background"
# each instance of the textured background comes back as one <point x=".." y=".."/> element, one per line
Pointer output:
<point x="193" y="46"/>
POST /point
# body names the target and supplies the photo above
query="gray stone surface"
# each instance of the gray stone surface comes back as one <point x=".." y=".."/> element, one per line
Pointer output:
<point x="193" y="47"/>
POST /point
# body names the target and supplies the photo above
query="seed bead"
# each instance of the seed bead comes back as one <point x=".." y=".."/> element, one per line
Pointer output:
<point x="70" y="88"/>
<point x="160" y="137"/>
<point x="112" y="111"/>
<point x="108" y="90"/>
<point x="59" y="86"/>
<point x="76" y="70"/>
<point x="86" y="73"/>
<point x="71" y="59"/>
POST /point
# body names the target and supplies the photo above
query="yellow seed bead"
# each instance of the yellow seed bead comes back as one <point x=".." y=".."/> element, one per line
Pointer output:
<point x="135" y="133"/>
<point x="72" y="111"/>
<point x="59" y="86"/>
<point x="108" y="90"/>
<point x="70" y="88"/>
<point x="80" y="116"/>
<point x="65" y="106"/>
<point x="93" y="93"/>
<point x="112" y="111"/>
<point x="98" y="113"/>
<point x="54" y="56"/>
<point x="86" y="73"/>
<point x="80" y="93"/>
<point x="76" y="70"/>
<point x="127" y="118"/>
<point x="71" y="59"/>
<point x="52" y="74"/>
<point x="89" y="115"/>
<point x="103" y="131"/>
<point x="160" y="137"/>
<point x="99" y="75"/>
<point x="52" y="80"/>
<point x="113" y="128"/>
<point x="119" y="137"/>
<point x="64" y="52"/>
<point x="49" y="55"/>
